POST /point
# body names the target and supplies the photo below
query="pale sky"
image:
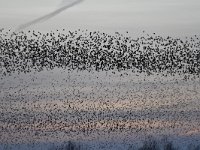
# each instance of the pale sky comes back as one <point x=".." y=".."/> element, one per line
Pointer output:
<point x="165" y="17"/>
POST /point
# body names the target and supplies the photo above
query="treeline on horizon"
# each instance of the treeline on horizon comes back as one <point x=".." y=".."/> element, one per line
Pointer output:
<point x="84" y="50"/>
<point x="150" y="144"/>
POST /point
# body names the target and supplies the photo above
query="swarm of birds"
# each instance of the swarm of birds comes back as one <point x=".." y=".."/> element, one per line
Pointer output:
<point x="84" y="50"/>
<point x="91" y="86"/>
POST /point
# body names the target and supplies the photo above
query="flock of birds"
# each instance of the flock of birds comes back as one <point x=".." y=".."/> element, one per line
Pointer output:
<point x="91" y="86"/>
<point x="84" y="50"/>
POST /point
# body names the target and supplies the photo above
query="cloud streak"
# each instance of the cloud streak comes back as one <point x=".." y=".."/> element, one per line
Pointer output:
<point x="50" y="15"/>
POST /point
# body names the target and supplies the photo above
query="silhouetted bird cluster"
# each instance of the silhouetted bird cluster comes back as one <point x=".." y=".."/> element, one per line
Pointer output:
<point x="107" y="102"/>
<point x="84" y="50"/>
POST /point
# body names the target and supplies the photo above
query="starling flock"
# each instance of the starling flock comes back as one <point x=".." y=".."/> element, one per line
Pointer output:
<point x="83" y="50"/>
<point x="90" y="86"/>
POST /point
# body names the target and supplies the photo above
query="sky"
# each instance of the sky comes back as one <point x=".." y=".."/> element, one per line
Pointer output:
<point x="165" y="17"/>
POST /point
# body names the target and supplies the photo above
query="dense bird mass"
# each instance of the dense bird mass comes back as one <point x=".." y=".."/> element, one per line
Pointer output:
<point x="96" y="89"/>
<point x="84" y="50"/>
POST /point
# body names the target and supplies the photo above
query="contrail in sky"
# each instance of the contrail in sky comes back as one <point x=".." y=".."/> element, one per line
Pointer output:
<point x="50" y="15"/>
